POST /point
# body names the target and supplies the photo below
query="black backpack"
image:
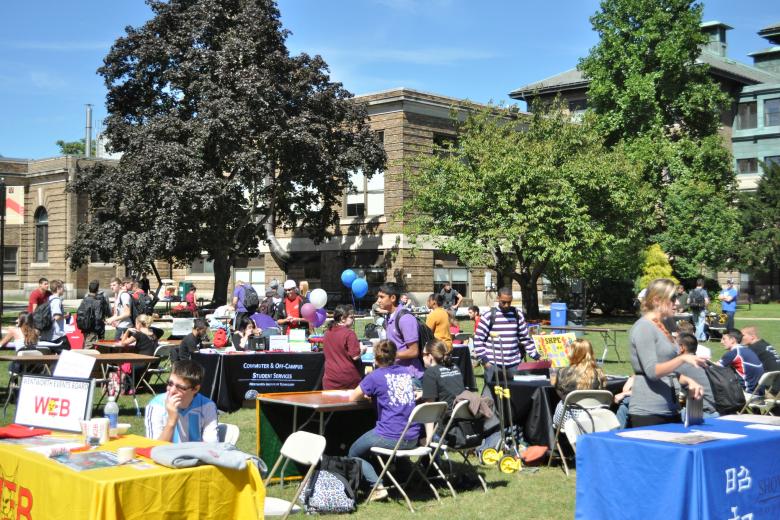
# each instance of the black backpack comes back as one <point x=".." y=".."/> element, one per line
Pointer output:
<point x="86" y="315"/>
<point x="465" y="433"/>
<point x="697" y="298"/>
<point x="251" y="300"/>
<point x="423" y="331"/>
<point x="726" y="389"/>
<point x="42" y="319"/>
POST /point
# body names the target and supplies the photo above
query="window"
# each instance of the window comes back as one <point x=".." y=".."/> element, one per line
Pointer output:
<point x="368" y="196"/>
<point x="202" y="266"/>
<point x="256" y="277"/>
<point x="772" y="112"/>
<point x="9" y="259"/>
<point x="41" y="235"/>
<point x="747" y="165"/>
<point x="771" y="160"/>
<point x="459" y="276"/>
<point x="747" y="116"/>
<point x="443" y="144"/>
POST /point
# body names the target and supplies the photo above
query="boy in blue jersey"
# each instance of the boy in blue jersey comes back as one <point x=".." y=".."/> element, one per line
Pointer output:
<point x="182" y="414"/>
<point x="742" y="359"/>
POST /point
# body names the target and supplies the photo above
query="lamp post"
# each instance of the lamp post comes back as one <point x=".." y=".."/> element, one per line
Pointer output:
<point x="2" y="251"/>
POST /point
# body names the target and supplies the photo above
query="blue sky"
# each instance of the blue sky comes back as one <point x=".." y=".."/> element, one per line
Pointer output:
<point x="50" y="50"/>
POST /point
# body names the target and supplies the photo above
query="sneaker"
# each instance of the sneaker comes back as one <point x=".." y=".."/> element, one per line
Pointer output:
<point x="380" y="493"/>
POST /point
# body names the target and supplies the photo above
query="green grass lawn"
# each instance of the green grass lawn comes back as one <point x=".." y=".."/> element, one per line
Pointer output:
<point x="544" y="494"/>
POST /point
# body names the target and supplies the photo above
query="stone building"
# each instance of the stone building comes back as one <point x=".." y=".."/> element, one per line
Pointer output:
<point x="370" y="237"/>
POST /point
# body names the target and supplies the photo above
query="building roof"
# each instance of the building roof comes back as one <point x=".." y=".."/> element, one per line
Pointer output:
<point x="569" y="80"/>
<point x="767" y="51"/>
<point x="715" y="23"/>
<point x="719" y="66"/>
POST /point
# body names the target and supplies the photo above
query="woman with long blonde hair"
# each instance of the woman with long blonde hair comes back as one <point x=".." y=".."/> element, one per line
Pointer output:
<point x="655" y="359"/>
<point x="582" y="374"/>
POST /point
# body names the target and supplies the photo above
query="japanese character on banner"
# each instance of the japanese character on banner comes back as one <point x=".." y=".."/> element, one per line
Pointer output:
<point x="738" y="480"/>
<point x="737" y="516"/>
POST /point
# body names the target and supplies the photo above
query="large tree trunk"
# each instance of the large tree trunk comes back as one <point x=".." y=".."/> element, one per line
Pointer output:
<point x="221" y="278"/>
<point x="530" y="296"/>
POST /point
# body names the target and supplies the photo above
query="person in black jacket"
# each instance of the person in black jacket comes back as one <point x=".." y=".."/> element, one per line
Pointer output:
<point x="192" y="342"/>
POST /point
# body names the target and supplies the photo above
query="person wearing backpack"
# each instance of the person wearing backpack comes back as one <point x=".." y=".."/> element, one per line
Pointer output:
<point x="511" y="342"/>
<point x="698" y="300"/>
<point x="56" y="334"/>
<point x="402" y="329"/>
<point x="245" y="302"/>
<point x="122" y="316"/>
<point x="92" y="312"/>
<point x="688" y="345"/>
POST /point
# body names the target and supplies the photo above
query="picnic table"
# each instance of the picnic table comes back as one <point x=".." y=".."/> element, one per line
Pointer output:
<point x="608" y="335"/>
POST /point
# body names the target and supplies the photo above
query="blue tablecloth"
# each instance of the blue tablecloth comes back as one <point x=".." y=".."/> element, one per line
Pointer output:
<point x="622" y="478"/>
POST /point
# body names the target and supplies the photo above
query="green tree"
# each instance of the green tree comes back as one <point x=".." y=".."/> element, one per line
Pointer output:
<point x="643" y="72"/>
<point x="656" y="265"/>
<point x="225" y="137"/>
<point x="74" y="147"/>
<point x="656" y="101"/>
<point x="759" y="248"/>
<point x="523" y="201"/>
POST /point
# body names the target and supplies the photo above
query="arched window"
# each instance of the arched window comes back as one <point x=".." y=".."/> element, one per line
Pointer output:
<point x="41" y="235"/>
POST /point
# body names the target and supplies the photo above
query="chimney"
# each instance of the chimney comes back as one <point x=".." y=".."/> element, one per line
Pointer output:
<point x="88" y="139"/>
<point x="769" y="59"/>
<point x="716" y="32"/>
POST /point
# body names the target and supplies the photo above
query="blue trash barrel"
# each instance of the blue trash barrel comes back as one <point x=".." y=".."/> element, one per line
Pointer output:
<point x="558" y="316"/>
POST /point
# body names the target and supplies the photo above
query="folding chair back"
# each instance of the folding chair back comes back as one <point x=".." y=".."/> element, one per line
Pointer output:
<point x="303" y="448"/>
<point x="426" y="413"/>
<point x="591" y="402"/>
<point x="29" y="353"/>
<point x="228" y="433"/>
<point x="88" y="352"/>
<point x="163" y="367"/>
<point x="460" y="412"/>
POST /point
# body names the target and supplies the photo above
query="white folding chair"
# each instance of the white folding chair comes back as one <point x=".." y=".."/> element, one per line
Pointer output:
<point x="15" y="378"/>
<point x="761" y="398"/>
<point x="589" y="407"/>
<point x="460" y="412"/>
<point x="164" y="367"/>
<point x="303" y="448"/>
<point x="422" y="413"/>
<point x="228" y="433"/>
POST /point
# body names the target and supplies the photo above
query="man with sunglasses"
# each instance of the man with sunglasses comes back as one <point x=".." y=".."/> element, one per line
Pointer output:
<point x="182" y="414"/>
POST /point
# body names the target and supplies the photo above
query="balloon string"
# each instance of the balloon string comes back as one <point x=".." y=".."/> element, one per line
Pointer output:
<point x="357" y="309"/>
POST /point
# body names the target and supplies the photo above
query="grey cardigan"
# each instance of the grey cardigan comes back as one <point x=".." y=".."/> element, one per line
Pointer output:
<point x="651" y="395"/>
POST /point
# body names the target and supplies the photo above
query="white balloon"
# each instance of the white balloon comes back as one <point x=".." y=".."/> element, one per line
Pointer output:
<point x="318" y="298"/>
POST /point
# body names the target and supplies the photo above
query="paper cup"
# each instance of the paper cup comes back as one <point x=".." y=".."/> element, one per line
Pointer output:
<point x="98" y="428"/>
<point x="125" y="454"/>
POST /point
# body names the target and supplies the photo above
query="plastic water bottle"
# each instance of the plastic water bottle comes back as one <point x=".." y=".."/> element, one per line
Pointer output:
<point x="111" y="412"/>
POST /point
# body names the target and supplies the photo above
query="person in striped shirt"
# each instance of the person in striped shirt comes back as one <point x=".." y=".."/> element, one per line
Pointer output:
<point x="182" y="414"/>
<point x="511" y="342"/>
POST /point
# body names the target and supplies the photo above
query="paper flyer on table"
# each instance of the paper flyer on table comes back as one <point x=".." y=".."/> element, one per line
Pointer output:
<point x="88" y="460"/>
<point x="692" y="437"/>
<point x="755" y="419"/>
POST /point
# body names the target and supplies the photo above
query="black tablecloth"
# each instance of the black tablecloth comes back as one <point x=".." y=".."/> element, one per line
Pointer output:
<point x="533" y="406"/>
<point x="232" y="379"/>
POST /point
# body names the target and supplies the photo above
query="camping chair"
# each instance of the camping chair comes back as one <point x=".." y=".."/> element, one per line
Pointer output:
<point x="422" y="413"/>
<point x="15" y="377"/>
<point x="163" y="367"/>
<point x="303" y="448"/>
<point x="181" y="327"/>
<point x="228" y="433"/>
<point x="592" y="405"/>
<point x="762" y="399"/>
<point x="460" y="412"/>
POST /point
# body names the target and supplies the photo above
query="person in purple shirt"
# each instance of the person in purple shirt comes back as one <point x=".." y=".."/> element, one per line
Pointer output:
<point x="238" y="303"/>
<point x="408" y="342"/>
<point x="392" y="389"/>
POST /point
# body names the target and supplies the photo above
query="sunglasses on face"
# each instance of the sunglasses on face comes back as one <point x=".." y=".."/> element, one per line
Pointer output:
<point x="182" y="388"/>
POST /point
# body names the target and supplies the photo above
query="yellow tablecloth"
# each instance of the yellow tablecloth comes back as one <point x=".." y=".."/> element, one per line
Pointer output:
<point x="34" y="487"/>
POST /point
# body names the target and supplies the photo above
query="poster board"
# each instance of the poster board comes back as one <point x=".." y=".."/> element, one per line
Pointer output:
<point x="553" y="347"/>
<point x="56" y="403"/>
<point x="14" y="205"/>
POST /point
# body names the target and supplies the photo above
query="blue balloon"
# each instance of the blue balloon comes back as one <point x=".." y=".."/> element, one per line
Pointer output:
<point x="359" y="287"/>
<point x="347" y="277"/>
